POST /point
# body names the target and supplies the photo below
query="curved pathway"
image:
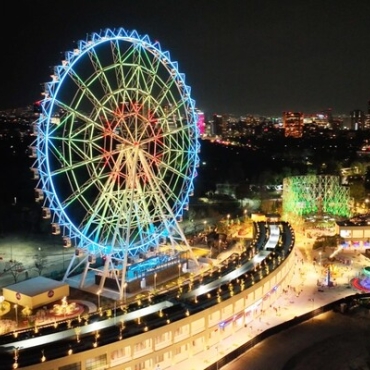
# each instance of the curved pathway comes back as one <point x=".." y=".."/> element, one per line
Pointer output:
<point x="330" y="341"/>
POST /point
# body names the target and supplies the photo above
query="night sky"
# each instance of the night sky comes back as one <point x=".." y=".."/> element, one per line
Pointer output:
<point x="239" y="56"/>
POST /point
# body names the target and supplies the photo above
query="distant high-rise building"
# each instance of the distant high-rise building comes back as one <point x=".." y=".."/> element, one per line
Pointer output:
<point x="201" y="122"/>
<point x="357" y="119"/>
<point x="319" y="120"/>
<point x="217" y="125"/>
<point x="329" y="115"/>
<point x="367" y="117"/>
<point x="293" y="124"/>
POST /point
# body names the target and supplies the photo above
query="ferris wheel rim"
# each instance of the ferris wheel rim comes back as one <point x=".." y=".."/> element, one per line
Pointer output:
<point x="48" y="143"/>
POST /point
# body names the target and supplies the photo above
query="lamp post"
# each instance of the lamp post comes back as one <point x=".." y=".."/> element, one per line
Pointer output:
<point x="98" y="293"/>
<point x="2" y="299"/>
<point x="16" y="314"/>
<point x="155" y="281"/>
<point x="228" y="220"/>
<point x="115" y="311"/>
<point x="313" y="307"/>
<point x="179" y="266"/>
<point x="124" y="292"/>
<point x="16" y="355"/>
<point x="217" y="357"/>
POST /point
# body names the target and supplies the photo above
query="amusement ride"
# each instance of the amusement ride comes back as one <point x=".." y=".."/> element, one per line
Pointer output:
<point x="116" y="152"/>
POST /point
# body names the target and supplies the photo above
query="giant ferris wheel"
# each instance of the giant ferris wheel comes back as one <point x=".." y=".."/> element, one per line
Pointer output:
<point x="116" y="149"/>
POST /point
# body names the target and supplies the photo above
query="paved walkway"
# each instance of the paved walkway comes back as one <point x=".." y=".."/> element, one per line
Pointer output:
<point x="304" y="296"/>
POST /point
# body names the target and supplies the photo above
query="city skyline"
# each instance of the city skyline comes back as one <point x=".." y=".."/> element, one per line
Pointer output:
<point x="239" y="57"/>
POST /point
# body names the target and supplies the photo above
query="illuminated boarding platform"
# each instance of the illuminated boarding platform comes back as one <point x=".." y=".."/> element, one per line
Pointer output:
<point x="274" y="235"/>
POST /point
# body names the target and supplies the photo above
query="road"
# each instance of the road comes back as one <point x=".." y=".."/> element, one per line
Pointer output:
<point x="23" y="249"/>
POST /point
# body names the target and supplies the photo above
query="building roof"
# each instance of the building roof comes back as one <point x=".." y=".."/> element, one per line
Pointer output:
<point x="362" y="220"/>
<point x="35" y="286"/>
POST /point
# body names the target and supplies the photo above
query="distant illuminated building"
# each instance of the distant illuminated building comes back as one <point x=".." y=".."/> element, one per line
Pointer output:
<point x="367" y="117"/>
<point x="217" y="125"/>
<point x="37" y="107"/>
<point x="201" y="122"/>
<point x="226" y="189"/>
<point x="357" y="119"/>
<point x="365" y="149"/>
<point x="293" y="124"/>
<point x="320" y="120"/>
<point x="315" y="195"/>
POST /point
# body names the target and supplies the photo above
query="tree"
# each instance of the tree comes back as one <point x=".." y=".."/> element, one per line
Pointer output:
<point x="367" y="178"/>
<point x="357" y="191"/>
<point x="15" y="268"/>
<point x="40" y="261"/>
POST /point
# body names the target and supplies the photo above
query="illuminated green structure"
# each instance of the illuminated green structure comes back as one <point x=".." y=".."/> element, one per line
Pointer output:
<point x="315" y="195"/>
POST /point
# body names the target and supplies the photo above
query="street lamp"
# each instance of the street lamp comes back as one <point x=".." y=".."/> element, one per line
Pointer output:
<point x="16" y="314"/>
<point x="2" y="299"/>
<point x="98" y="293"/>
<point x="115" y="311"/>
<point x="217" y="357"/>
<point x="16" y="355"/>
<point x="228" y="220"/>
<point x="124" y="292"/>
<point x="313" y="306"/>
<point x="179" y="266"/>
<point x="155" y="281"/>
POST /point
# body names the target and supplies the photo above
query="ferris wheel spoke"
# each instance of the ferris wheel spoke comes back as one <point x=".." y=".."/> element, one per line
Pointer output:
<point x="100" y="73"/>
<point x="157" y="188"/>
<point x="163" y="96"/>
<point x="69" y="119"/>
<point x="83" y="93"/>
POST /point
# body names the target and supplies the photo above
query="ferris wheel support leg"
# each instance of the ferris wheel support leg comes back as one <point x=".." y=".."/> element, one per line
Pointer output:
<point x="84" y="274"/>
<point x="73" y="266"/>
<point x="67" y="272"/>
<point x="123" y="289"/>
<point x="188" y="247"/>
<point x="105" y="272"/>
